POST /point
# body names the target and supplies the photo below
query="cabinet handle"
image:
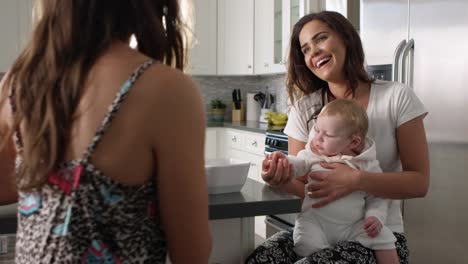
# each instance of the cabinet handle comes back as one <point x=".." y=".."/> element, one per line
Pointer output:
<point x="249" y="66"/>
<point x="254" y="143"/>
<point x="265" y="65"/>
<point x="234" y="139"/>
<point x="282" y="62"/>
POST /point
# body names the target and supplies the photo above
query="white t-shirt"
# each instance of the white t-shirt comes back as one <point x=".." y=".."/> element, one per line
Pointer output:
<point x="390" y="105"/>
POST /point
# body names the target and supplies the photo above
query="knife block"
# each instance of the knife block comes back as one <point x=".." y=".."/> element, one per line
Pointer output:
<point x="238" y="114"/>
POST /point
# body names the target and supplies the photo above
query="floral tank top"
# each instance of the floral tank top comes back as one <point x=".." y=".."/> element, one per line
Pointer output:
<point x="83" y="216"/>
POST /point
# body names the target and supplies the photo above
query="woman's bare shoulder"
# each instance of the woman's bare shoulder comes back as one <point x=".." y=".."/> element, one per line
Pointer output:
<point x="167" y="89"/>
<point x="163" y="80"/>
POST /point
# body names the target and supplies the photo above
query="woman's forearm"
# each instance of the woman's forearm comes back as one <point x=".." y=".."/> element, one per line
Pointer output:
<point x="394" y="185"/>
<point x="294" y="187"/>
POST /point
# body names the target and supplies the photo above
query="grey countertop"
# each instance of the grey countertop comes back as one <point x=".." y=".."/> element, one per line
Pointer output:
<point x="8" y="219"/>
<point x="254" y="199"/>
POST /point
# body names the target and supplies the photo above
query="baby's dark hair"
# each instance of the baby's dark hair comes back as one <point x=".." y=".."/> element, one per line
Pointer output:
<point x="351" y="112"/>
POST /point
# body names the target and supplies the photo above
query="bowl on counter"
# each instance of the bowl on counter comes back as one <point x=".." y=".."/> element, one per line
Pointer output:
<point x="226" y="175"/>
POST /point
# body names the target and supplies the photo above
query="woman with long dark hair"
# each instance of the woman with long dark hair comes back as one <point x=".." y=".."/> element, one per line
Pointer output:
<point x="326" y="62"/>
<point x="92" y="127"/>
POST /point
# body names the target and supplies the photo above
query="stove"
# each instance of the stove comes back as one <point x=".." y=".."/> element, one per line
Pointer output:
<point x="276" y="140"/>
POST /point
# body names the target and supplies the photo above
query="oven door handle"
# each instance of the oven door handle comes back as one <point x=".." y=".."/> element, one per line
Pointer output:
<point x="272" y="223"/>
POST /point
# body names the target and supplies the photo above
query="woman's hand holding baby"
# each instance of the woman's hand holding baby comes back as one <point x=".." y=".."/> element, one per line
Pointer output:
<point x="331" y="185"/>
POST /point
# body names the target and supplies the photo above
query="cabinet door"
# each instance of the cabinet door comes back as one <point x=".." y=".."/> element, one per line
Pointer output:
<point x="210" y="144"/>
<point x="254" y="143"/>
<point x="235" y="37"/>
<point x="228" y="140"/>
<point x="15" y="27"/>
<point x="269" y="36"/>
<point x="25" y="22"/>
<point x="255" y="163"/>
<point x="233" y="240"/>
<point x="202" y="60"/>
<point x="9" y="28"/>
<point x="274" y="20"/>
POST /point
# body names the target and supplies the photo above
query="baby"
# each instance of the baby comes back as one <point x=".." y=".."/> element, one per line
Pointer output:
<point x="340" y="136"/>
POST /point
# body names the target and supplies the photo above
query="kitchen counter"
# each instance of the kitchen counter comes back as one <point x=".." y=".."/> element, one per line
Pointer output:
<point x="254" y="199"/>
<point x="8" y="219"/>
<point x="232" y="218"/>
<point x="253" y="126"/>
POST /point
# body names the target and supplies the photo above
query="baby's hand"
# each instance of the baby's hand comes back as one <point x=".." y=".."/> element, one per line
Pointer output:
<point x="276" y="169"/>
<point x="277" y="155"/>
<point x="372" y="226"/>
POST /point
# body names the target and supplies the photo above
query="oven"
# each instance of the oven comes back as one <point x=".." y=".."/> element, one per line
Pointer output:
<point x="276" y="140"/>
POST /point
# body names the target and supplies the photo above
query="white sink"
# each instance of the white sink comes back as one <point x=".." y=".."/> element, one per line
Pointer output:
<point x="226" y="175"/>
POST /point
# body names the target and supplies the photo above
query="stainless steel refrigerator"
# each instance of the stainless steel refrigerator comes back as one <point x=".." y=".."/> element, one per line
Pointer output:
<point x="426" y="41"/>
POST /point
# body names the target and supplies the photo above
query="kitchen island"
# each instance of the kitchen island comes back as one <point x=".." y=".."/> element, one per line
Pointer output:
<point x="254" y="199"/>
<point x="232" y="218"/>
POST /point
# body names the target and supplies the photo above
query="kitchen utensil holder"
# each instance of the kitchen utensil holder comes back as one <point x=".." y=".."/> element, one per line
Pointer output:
<point x="238" y="114"/>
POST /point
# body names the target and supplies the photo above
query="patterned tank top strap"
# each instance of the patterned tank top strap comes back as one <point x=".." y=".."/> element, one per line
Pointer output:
<point x="113" y="109"/>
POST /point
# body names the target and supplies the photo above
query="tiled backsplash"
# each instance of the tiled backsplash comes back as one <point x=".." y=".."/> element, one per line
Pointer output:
<point x="221" y="87"/>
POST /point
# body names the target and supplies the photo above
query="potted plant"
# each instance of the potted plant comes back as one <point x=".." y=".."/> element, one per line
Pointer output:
<point x="218" y="108"/>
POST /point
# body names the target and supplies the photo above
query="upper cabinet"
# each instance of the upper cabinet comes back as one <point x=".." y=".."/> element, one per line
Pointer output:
<point x="253" y="36"/>
<point x="235" y="37"/>
<point x="15" y="27"/>
<point x="244" y="37"/>
<point x="274" y="20"/>
<point x="202" y="54"/>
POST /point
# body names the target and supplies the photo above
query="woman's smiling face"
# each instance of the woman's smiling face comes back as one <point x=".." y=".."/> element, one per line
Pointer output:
<point x="324" y="51"/>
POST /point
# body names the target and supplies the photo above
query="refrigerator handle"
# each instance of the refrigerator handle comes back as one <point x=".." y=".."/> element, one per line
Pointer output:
<point x="396" y="74"/>
<point x="405" y="67"/>
<point x="409" y="69"/>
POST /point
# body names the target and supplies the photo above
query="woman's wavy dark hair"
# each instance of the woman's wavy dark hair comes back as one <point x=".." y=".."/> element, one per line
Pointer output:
<point x="300" y="79"/>
<point x="46" y="80"/>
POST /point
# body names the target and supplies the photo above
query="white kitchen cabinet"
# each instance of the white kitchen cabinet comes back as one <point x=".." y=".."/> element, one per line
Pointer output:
<point x="211" y="143"/>
<point x="272" y="24"/>
<point x="244" y="145"/>
<point x="255" y="163"/>
<point x="244" y="37"/>
<point x="245" y="141"/>
<point x="274" y="20"/>
<point x="267" y="16"/>
<point x="203" y="50"/>
<point x="15" y="27"/>
<point x="235" y="37"/>
<point x="233" y="240"/>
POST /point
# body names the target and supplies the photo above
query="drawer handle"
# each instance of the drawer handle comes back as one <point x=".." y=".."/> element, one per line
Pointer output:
<point x="234" y="139"/>
<point x="254" y="143"/>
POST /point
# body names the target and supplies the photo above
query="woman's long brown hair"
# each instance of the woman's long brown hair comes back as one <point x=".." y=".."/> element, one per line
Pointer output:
<point x="300" y="79"/>
<point x="47" y="78"/>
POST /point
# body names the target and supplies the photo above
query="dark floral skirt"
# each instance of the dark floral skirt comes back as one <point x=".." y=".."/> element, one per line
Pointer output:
<point x="279" y="249"/>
